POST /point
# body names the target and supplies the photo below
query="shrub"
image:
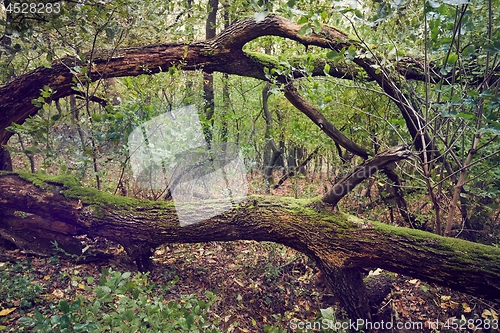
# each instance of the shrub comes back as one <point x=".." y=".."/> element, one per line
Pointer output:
<point x="124" y="303"/>
<point x="17" y="287"/>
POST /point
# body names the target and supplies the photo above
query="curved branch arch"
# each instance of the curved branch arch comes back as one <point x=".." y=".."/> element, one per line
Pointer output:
<point x="222" y="54"/>
<point x="337" y="242"/>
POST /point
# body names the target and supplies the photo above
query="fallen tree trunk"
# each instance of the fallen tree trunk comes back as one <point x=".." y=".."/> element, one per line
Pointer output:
<point x="340" y="244"/>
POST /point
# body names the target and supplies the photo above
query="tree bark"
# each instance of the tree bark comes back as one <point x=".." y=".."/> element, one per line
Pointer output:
<point x="271" y="151"/>
<point x="319" y="119"/>
<point x="340" y="244"/>
<point x="208" y="77"/>
<point x="363" y="171"/>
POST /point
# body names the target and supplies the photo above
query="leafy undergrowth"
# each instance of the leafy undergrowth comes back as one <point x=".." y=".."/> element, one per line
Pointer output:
<point x="239" y="286"/>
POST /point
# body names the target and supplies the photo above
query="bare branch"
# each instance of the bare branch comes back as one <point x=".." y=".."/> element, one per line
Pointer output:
<point x="326" y="126"/>
<point x="363" y="171"/>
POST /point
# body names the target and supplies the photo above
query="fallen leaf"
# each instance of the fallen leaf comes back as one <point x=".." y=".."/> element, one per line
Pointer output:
<point x="58" y="293"/>
<point x="466" y="308"/>
<point x="5" y="312"/>
<point x="241" y="284"/>
<point x="490" y="313"/>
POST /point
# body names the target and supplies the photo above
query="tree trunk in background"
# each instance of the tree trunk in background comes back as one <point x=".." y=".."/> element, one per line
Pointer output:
<point x="208" y="77"/>
<point x="226" y="98"/>
<point x="301" y="154"/>
<point x="5" y="43"/>
<point x="5" y="160"/>
<point x="271" y="151"/>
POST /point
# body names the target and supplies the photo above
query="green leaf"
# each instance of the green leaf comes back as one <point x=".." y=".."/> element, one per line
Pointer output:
<point x="317" y="25"/>
<point x="350" y="54"/>
<point x="75" y="306"/>
<point x="102" y="280"/>
<point x="302" y="20"/>
<point x="434" y="3"/>
<point x="49" y="59"/>
<point x="306" y="30"/>
<point x="493" y="48"/>
<point x="87" y="327"/>
<point x="27" y="321"/>
<point x="465" y="115"/>
<point x="56" y="320"/>
<point x="443" y="71"/>
<point x="65" y="321"/>
<point x="38" y="316"/>
<point x="129" y="315"/>
<point x="326" y="69"/>
<point x="493" y="127"/>
<point x="396" y="121"/>
<point x="333" y="55"/>
<point x="487" y="93"/>
<point x="453" y="58"/>
<point x="327" y="313"/>
<point x="473" y="93"/>
<point x="468" y="51"/>
<point x="189" y="320"/>
<point x="136" y="293"/>
<point x="110" y="33"/>
<point x="64" y="306"/>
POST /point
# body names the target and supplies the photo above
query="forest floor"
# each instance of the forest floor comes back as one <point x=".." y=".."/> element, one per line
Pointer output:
<point x="260" y="287"/>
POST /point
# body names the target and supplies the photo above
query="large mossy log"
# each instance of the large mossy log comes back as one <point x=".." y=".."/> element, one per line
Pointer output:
<point x="341" y="244"/>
